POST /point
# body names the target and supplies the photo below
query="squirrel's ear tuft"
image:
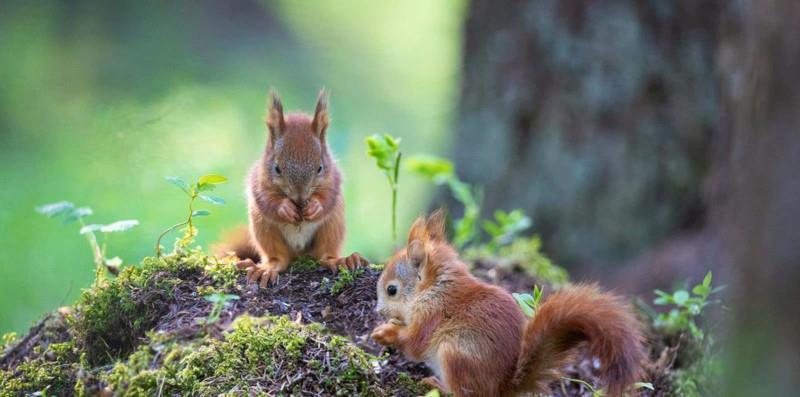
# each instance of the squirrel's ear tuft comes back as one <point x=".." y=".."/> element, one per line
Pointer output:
<point x="275" y="120"/>
<point x="418" y="231"/>
<point x="416" y="254"/>
<point x="435" y="225"/>
<point x="320" y="123"/>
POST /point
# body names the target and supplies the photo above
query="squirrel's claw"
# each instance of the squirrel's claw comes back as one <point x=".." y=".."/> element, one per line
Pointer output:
<point x="263" y="273"/>
<point x="288" y="211"/>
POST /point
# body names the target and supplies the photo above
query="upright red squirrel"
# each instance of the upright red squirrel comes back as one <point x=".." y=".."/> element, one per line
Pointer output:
<point x="294" y="197"/>
<point x="475" y="338"/>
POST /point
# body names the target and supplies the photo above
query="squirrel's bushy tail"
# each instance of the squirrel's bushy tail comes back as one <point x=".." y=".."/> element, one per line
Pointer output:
<point x="238" y="241"/>
<point x="574" y="315"/>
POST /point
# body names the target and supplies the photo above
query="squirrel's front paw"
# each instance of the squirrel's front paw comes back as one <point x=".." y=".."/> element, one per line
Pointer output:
<point x="262" y="273"/>
<point x="288" y="211"/>
<point x="385" y="334"/>
<point x="312" y="210"/>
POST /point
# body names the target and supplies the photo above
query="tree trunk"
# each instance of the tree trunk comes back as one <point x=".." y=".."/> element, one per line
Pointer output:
<point x="596" y="118"/>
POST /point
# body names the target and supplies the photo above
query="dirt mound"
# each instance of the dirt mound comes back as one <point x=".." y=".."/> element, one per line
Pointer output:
<point x="146" y="333"/>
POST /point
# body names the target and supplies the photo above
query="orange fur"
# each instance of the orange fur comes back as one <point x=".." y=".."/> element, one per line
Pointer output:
<point x="476" y="339"/>
<point x="294" y="196"/>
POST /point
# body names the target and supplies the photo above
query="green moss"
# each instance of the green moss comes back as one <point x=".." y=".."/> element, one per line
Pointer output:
<point x="110" y="318"/>
<point x="52" y="371"/>
<point x="304" y="264"/>
<point x="271" y="354"/>
<point x="524" y="252"/>
<point x="345" y="278"/>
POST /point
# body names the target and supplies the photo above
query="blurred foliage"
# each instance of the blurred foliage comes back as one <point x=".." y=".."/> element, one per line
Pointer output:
<point x="101" y="100"/>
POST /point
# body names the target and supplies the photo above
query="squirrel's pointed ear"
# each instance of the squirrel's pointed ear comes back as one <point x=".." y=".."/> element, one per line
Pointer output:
<point x="418" y="231"/>
<point x="275" y="120"/>
<point x="435" y="225"/>
<point x="416" y="254"/>
<point x="320" y="123"/>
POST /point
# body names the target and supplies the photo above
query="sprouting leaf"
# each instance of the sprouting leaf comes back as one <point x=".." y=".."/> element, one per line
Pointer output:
<point x="211" y="179"/>
<point x="55" y="209"/>
<point x="212" y="199"/>
<point x="216" y="298"/>
<point x="435" y="169"/>
<point x="525" y="302"/>
<point x="707" y="280"/>
<point x="643" y="385"/>
<point x="179" y="183"/>
<point x="91" y="228"/>
<point x="433" y="393"/>
<point x="77" y="213"/>
<point x="680" y="297"/>
<point x="200" y="213"/>
<point x="119" y="226"/>
<point x="383" y="149"/>
<point x="701" y="290"/>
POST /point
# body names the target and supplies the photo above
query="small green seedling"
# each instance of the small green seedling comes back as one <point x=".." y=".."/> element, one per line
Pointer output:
<point x="205" y="183"/>
<point x="505" y="228"/>
<point x="441" y="171"/>
<point x="529" y="303"/>
<point x="386" y="152"/>
<point x="345" y="278"/>
<point x="688" y="306"/>
<point x="71" y="214"/>
<point x="219" y="302"/>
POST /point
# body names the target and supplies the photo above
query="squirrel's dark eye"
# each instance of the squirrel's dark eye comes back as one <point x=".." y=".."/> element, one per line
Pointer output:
<point x="391" y="290"/>
<point x="277" y="169"/>
<point x="319" y="170"/>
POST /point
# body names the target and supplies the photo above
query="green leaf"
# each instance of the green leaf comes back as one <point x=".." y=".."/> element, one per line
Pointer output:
<point x="707" y="280"/>
<point x="212" y="199"/>
<point x="701" y="290"/>
<point x="212" y="179"/>
<point x="435" y="169"/>
<point x="206" y="188"/>
<point x="680" y="297"/>
<point x="643" y="385"/>
<point x="91" y="228"/>
<point x="119" y="226"/>
<point x="383" y="149"/>
<point x="433" y="393"/>
<point x="215" y="298"/>
<point x="77" y="213"/>
<point x="55" y="209"/>
<point x="179" y="183"/>
<point x="200" y="213"/>
<point x="524" y="301"/>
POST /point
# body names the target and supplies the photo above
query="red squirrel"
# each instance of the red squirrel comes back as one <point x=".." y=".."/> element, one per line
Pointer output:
<point x="476" y="339"/>
<point x="294" y="196"/>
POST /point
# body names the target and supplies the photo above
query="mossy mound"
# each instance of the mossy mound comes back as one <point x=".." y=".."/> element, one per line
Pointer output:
<point x="146" y="333"/>
<point x="142" y="334"/>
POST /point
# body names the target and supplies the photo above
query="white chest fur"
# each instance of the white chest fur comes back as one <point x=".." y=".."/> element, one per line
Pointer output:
<point x="299" y="236"/>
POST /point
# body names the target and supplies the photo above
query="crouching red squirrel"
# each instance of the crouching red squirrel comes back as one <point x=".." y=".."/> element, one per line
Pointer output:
<point x="475" y="338"/>
<point x="294" y="197"/>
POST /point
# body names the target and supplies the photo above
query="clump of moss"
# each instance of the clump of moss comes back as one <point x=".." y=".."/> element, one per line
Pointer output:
<point x="271" y="355"/>
<point x="53" y="371"/>
<point x="112" y="317"/>
<point x="344" y="278"/>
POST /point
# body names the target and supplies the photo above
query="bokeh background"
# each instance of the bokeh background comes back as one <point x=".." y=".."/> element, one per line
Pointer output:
<point x="99" y="101"/>
<point x="649" y="141"/>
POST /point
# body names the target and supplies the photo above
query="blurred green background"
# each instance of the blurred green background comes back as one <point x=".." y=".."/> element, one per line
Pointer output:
<point x="99" y="101"/>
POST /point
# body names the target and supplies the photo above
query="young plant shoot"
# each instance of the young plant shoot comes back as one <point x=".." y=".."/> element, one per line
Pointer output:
<point x="386" y="152"/>
<point x="71" y="214"/>
<point x="197" y="190"/>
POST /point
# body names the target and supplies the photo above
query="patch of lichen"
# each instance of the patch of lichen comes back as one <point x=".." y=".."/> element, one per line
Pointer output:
<point x="270" y="355"/>
<point x="53" y="371"/>
<point x="111" y="318"/>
